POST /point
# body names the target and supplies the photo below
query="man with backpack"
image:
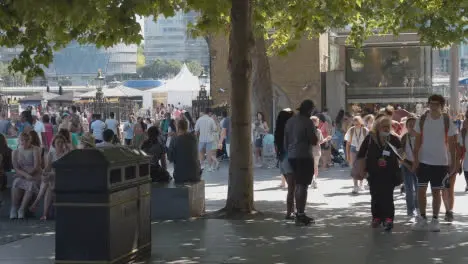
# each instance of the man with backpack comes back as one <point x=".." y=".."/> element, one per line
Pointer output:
<point x="435" y="141"/>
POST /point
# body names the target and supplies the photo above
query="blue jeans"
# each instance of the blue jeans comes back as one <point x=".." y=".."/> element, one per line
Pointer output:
<point x="411" y="189"/>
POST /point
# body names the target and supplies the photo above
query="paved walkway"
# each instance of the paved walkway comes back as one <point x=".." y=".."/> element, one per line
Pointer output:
<point x="341" y="235"/>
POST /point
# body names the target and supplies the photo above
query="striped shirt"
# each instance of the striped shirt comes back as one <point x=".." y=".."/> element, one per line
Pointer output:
<point x="206" y="127"/>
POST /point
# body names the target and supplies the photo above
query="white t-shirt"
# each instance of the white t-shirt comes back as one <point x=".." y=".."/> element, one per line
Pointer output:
<point x="433" y="149"/>
<point x="460" y="142"/>
<point x="358" y="136"/>
<point x="205" y="126"/>
<point x="112" y="125"/>
<point x="98" y="127"/>
<point x="39" y="128"/>
<point x="128" y="129"/>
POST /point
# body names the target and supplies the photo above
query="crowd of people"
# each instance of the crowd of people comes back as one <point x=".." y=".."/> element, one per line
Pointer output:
<point x="384" y="149"/>
<point x="42" y="141"/>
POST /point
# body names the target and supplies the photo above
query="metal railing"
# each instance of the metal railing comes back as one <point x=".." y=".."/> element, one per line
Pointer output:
<point x="378" y="92"/>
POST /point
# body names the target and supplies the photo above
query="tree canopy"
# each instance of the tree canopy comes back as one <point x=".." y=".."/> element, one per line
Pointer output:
<point x="439" y="23"/>
<point x="141" y="60"/>
<point x="41" y="27"/>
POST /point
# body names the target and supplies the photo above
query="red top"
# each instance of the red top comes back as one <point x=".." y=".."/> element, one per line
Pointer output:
<point x="323" y="126"/>
<point x="396" y="127"/>
<point x="49" y="134"/>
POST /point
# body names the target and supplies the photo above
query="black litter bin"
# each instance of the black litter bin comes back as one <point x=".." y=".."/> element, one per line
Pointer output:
<point x="102" y="206"/>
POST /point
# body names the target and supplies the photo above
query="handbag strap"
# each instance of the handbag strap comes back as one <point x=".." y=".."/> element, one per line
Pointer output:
<point x="369" y="143"/>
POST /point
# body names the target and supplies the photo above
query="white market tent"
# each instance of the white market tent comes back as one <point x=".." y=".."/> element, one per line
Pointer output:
<point x="116" y="92"/>
<point x="183" y="88"/>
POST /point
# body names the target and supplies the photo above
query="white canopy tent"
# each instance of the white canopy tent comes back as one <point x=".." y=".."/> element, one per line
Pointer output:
<point x="119" y="91"/>
<point x="183" y="88"/>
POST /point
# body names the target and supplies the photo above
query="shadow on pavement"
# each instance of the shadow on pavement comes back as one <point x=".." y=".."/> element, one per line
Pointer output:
<point x="340" y="235"/>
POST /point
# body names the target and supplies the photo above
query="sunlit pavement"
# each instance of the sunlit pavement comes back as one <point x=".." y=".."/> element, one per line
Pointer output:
<point x="341" y="234"/>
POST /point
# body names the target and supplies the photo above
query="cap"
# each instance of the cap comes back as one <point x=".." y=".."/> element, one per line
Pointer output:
<point x="88" y="140"/>
<point x="306" y="105"/>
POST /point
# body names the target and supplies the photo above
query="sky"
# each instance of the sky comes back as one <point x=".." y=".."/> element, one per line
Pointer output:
<point x="141" y="20"/>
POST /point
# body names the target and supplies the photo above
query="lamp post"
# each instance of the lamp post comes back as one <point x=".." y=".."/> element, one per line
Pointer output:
<point x="203" y="100"/>
<point x="99" y="101"/>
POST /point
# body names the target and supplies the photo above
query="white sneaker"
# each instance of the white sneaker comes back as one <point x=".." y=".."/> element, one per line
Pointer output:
<point x="434" y="226"/>
<point x="20" y="214"/>
<point x="13" y="213"/>
<point x="356" y="190"/>
<point x="420" y="225"/>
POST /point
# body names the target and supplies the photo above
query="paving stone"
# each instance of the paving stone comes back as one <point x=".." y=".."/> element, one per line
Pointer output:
<point x="341" y="234"/>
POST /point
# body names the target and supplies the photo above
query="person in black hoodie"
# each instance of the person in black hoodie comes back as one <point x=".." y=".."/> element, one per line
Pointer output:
<point x="299" y="137"/>
<point x="381" y="162"/>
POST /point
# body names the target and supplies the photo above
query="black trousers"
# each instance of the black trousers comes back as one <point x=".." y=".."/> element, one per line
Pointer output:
<point x="303" y="170"/>
<point x="381" y="190"/>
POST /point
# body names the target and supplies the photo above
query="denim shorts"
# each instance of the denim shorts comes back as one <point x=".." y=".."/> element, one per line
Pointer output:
<point x="353" y="149"/>
<point x="285" y="167"/>
<point x="205" y="146"/>
<point x="258" y="143"/>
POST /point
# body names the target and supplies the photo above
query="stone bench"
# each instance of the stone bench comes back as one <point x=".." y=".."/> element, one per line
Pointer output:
<point x="171" y="202"/>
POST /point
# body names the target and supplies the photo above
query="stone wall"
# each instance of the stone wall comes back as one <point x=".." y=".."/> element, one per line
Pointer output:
<point x="296" y="75"/>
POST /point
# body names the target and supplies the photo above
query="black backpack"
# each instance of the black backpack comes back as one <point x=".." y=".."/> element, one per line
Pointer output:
<point x="7" y="163"/>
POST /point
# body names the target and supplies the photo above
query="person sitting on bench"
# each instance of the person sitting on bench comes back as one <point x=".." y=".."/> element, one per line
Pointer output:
<point x="183" y="152"/>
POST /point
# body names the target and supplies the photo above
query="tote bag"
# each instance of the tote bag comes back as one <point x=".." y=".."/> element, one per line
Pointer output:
<point x="359" y="171"/>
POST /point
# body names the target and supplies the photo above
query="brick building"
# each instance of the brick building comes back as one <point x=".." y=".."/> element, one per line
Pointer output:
<point x="295" y="77"/>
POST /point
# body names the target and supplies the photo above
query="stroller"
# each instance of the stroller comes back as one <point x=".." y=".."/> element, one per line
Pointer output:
<point x="337" y="156"/>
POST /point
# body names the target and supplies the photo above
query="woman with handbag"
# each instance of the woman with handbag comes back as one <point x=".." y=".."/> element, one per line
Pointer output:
<point x="381" y="162"/>
<point x="325" y="128"/>
<point x="354" y="138"/>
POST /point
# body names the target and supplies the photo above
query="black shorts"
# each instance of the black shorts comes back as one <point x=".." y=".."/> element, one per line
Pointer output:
<point x="303" y="170"/>
<point x="259" y="142"/>
<point x="435" y="174"/>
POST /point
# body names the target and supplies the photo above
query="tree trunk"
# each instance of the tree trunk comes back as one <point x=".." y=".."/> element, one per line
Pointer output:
<point x="262" y="88"/>
<point x="240" y="190"/>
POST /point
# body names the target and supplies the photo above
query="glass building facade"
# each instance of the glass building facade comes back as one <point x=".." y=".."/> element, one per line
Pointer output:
<point x="401" y="74"/>
<point x="78" y="64"/>
<point x="168" y="39"/>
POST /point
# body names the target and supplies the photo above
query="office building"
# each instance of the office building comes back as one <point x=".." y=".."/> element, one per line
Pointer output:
<point x="78" y="64"/>
<point x="169" y="39"/>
